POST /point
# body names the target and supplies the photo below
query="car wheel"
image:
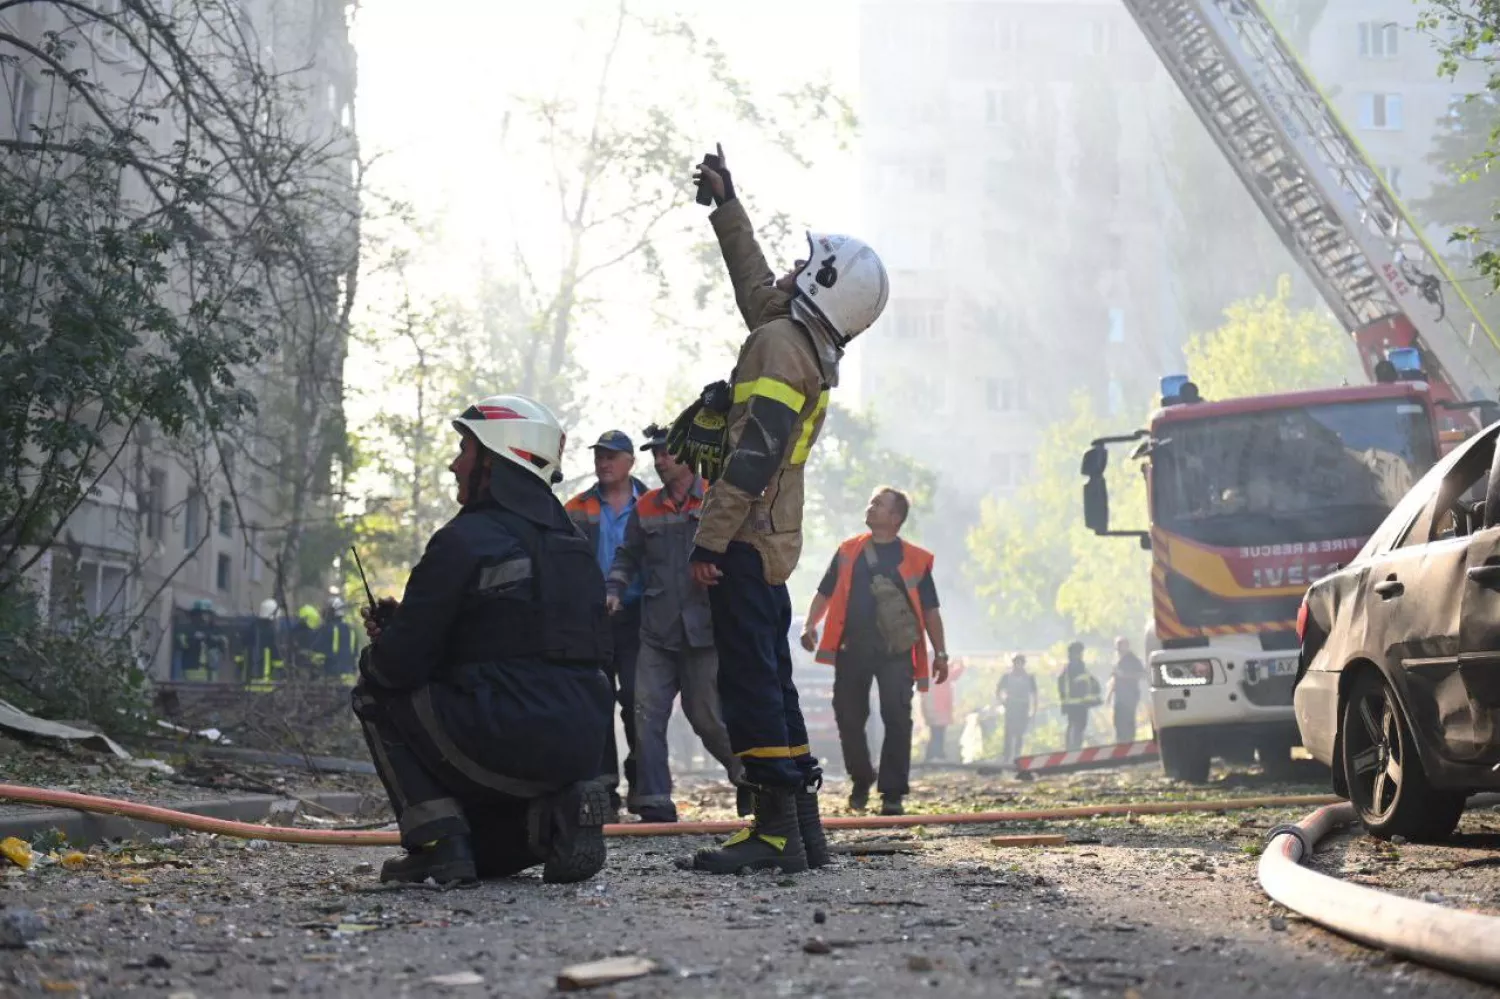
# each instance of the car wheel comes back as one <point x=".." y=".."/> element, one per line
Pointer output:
<point x="1387" y="784"/>
<point x="1183" y="756"/>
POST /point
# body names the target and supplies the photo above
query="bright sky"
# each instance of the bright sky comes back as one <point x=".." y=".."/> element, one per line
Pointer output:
<point x="435" y="81"/>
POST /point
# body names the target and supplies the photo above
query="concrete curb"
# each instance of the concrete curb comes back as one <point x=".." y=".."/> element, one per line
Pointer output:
<point x="84" y="829"/>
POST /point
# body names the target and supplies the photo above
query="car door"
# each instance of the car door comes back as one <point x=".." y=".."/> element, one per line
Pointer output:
<point x="1471" y="707"/>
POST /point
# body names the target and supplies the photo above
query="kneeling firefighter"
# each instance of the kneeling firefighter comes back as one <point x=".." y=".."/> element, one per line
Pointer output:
<point x="751" y="438"/>
<point x="481" y="694"/>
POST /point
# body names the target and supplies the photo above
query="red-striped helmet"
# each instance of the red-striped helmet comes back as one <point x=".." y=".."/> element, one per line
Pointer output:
<point x="521" y="431"/>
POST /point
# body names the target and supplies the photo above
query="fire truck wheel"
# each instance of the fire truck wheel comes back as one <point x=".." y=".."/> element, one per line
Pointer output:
<point x="1184" y="756"/>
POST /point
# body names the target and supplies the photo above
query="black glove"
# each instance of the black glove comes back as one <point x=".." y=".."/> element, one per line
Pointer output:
<point x="699" y="436"/>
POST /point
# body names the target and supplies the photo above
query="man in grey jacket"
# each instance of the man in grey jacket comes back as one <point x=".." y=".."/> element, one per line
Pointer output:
<point x="677" y="639"/>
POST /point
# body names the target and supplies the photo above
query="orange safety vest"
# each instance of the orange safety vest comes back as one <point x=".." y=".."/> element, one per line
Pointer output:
<point x="939" y="704"/>
<point x="915" y="564"/>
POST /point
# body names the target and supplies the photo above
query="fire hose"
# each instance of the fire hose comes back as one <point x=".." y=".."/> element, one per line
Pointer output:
<point x="345" y="837"/>
<point x="1458" y="941"/>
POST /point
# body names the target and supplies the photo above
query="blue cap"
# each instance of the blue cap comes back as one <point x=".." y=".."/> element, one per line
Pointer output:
<point x="614" y="440"/>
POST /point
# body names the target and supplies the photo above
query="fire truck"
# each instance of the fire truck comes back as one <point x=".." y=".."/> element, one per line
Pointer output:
<point x="1252" y="499"/>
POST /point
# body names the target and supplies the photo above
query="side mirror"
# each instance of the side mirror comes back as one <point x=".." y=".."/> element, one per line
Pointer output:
<point x="1095" y="461"/>
<point x="1096" y="504"/>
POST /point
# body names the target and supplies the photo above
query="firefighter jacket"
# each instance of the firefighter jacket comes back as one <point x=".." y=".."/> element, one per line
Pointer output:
<point x="499" y="639"/>
<point x="1077" y="690"/>
<point x="780" y="399"/>
<point x="916" y="564"/>
<point x="657" y="548"/>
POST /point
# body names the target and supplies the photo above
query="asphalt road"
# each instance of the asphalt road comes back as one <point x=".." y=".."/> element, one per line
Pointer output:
<point x="1156" y="906"/>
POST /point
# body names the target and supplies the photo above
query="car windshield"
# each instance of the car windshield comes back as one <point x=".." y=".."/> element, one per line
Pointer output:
<point x="1287" y="475"/>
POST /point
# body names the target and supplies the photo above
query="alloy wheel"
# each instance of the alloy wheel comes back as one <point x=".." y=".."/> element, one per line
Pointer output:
<point x="1376" y="755"/>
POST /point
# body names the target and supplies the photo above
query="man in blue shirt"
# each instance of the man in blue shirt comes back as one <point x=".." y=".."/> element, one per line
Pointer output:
<point x="601" y="512"/>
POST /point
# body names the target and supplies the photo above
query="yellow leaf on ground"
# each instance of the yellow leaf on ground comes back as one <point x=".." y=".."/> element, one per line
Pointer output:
<point x="135" y="879"/>
<point x="48" y="985"/>
<point x="16" y="851"/>
<point x="73" y="860"/>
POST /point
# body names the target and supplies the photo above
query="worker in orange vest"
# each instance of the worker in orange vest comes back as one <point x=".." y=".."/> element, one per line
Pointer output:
<point x="937" y="711"/>
<point x="879" y="599"/>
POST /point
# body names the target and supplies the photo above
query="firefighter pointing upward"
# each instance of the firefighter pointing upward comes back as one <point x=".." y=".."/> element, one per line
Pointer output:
<point x="751" y="438"/>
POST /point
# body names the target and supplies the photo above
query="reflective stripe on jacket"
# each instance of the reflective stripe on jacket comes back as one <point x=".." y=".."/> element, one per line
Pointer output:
<point x="916" y="563"/>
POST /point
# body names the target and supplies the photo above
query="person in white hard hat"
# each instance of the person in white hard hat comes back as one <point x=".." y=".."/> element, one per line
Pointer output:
<point x="481" y="694"/>
<point x="751" y="438"/>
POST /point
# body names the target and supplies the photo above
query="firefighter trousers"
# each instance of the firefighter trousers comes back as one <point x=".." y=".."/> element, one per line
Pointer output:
<point x="431" y="798"/>
<point x="752" y="620"/>
<point x="659" y="675"/>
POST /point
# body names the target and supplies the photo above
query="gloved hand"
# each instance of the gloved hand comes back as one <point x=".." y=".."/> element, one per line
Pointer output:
<point x="699" y="436"/>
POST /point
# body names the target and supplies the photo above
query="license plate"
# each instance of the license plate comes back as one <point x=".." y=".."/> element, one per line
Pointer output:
<point x="1269" y="669"/>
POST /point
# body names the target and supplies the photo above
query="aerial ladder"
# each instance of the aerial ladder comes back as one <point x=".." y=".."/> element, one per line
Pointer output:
<point x="1327" y="202"/>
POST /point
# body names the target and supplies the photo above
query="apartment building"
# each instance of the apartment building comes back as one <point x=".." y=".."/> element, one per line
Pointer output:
<point x="176" y="520"/>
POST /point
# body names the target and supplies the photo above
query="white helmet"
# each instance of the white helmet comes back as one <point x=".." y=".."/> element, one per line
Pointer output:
<point x="844" y="282"/>
<point x="268" y="608"/>
<point x="520" y="430"/>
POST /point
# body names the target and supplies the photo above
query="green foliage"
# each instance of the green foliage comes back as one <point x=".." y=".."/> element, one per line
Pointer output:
<point x="1266" y="345"/>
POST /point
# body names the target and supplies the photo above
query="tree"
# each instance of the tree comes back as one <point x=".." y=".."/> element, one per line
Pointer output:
<point x="1041" y="571"/>
<point x="169" y="225"/>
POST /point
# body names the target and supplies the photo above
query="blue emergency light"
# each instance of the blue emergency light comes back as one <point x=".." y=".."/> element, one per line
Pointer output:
<point x="1406" y="360"/>
<point x="1171" y="385"/>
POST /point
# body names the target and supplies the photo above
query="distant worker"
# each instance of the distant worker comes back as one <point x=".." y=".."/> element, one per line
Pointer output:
<point x="202" y="649"/>
<point x="1017" y="695"/>
<point x="307" y="639"/>
<point x="264" y="667"/>
<point x="750" y="438"/>
<point x="1124" y="689"/>
<point x="482" y="693"/>
<point x="677" y="634"/>
<point x="1078" y="693"/>
<point x="338" y="642"/>
<point x="601" y="512"/>
<point x="937" y="712"/>
<point x="879" y="598"/>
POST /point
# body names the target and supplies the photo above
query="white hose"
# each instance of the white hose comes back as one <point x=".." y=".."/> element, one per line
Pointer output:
<point x="1464" y="942"/>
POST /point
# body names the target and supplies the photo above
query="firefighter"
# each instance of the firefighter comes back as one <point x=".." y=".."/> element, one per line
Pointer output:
<point x="265" y="648"/>
<point x="307" y="639"/>
<point x="750" y="438"/>
<point x="482" y="694"/>
<point x="1078" y="693"/>
<point x="676" y="632"/>
<point x="337" y="642"/>
<point x="201" y="645"/>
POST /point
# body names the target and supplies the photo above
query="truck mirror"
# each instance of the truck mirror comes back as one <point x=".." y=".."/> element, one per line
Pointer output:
<point x="1096" y="504"/>
<point x="1095" y="461"/>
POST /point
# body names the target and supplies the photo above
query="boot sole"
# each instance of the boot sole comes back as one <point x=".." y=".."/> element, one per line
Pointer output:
<point x="787" y="865"/>
<point x="576" y="851"/>
<point x="443" y="874"/>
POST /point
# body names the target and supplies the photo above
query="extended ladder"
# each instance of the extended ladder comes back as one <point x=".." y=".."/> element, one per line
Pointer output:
<point x="1321" y="194"/>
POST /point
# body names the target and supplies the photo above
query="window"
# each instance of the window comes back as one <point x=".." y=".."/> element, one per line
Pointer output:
<point x="1003" y="395"/>
<point x="1103" y="37"/>
<point x="223" y="573"/>
<point x="105" y="588"/>
<point x="22" y="104"/>
<point x="1116" y="397"/>
<point x="255" y="485"/>
<point x="1003" y="107"/>
<point x="1380" y="111"/>
<point x="1392" y="176"/>
<point x="252" y="555"/>
<point x="111" y="40"/>
<point x="226" y="518"/>
<point x="192" y="528"/>
<point x="918" y="319"/>
<point x="1378" y="39"/>
<point x="153" y="503"/>
<point x="1004" y="34"/>
<point x="1116" y="325"/>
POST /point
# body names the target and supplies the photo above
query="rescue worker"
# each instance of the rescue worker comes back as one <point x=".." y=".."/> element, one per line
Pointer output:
<point x="601" y="512"/>
<point x="870" y="639"/>
<point x="307" y="640"/>
<point x="750" y="438"/>
<point x="1017" y="694"/>
<point x="1124" y="689"/>
<point x="200" y="645"/>
<point x="482" y="693"/>
<point x="677" y="635"/>
<point x="1078" y="694"/>
<point x="937" y="712"/>
<point x="337" y="642"/>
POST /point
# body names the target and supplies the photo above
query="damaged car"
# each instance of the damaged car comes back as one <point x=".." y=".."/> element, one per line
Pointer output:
<point x="1398" y="688"/>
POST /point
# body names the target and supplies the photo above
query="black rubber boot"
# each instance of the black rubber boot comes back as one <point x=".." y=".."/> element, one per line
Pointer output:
<point x="859" y="797"/>
<point x="810" y="824"/>
<point x="744" y="800"/>
<point x="773" y="839"/>
<point x="657" y="813"/>
<point x="445" y="861"/>
<point x="890" y="804"/>
<point x="566" y="830"/>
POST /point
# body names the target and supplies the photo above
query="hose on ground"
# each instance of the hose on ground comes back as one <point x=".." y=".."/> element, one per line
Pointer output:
<point x="342" y="837"/>
<point x="1463" y="942"/>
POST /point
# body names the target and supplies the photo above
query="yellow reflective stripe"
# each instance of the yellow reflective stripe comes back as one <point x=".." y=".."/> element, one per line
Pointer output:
<point x="770" y="388"/>
<point x="804" y="443"/>
<point x="767" y="752"/>
<point x="800" y="750"/>
<point x="738" y="837"/>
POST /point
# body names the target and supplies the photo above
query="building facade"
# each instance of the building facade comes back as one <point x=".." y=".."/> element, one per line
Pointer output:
<point x="177" y="520"/>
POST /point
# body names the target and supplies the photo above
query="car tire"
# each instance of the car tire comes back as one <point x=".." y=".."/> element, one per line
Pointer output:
<point x="1387" y="784"/>
<point x="1183" y="756"/>
<point x="1275" y="754"/>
